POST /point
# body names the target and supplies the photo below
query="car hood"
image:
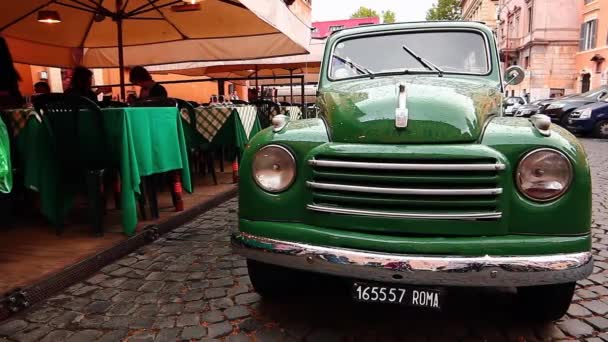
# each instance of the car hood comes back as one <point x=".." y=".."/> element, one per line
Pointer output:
<point x="593" y="106"/>
<point x="441" y="109"/>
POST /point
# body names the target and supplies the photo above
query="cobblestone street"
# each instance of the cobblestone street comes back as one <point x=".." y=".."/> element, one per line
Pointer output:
<point x="189" y="286"/>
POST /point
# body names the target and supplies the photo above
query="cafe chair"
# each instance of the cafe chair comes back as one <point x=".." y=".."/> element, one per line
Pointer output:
<point x="239" y="102"/>
<point x="266" y="110"/>
<point x="193" y="103"/>
<point x="79" y="161"/>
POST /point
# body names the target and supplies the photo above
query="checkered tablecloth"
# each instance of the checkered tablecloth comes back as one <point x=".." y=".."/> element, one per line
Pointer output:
<point x="248" y="115"/>
<point x="293" y="112"/>
<point x="17" y="118"/>
<point x="209" y="120"/>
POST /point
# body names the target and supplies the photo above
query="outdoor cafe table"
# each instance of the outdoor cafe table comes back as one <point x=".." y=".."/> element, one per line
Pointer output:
<point x="227" y="126"/>
<point x="141" y="141"/>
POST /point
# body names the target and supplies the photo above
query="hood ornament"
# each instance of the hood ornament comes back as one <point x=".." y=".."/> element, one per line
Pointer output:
<point x="401" y="112"/>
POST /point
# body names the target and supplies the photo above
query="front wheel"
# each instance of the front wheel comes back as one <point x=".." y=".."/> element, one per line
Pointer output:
<point x="601" y="130"/>
<point x="546" y="302"/>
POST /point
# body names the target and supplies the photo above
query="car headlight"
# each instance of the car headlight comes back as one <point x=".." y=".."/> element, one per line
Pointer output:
<point x="274" y="168"/>
<point x="585" y="114"/>
<point x="556" y="105"/>
<point x="544" y="174"/>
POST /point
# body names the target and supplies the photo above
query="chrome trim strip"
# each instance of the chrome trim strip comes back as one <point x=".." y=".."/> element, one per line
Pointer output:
<point x="407" y="166"/>
<point x="389" y="214"/>
<point x="484" y="271"/>
<point x="404" y="191"/>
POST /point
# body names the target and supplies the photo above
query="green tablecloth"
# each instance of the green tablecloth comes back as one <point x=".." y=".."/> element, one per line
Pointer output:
<point x="6" y="171"/>
<point x="142" y="142"/>
<point x="223" y="126"/>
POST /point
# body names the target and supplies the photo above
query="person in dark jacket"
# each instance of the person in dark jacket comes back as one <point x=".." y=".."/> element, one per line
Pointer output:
<point x="82" y="84"/>
<point x="149" y="89"/>
<point x="10" y="96"/>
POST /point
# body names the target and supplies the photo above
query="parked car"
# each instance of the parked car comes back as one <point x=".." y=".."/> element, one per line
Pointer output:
<point x="511" y="104"/>
<point x="560" y="109"/>
<point x="590" y="119"/>
<point x="411" y="181"/>
<point x="531" y="108"/>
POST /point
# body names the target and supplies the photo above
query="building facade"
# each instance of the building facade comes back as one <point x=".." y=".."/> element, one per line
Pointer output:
<point x="322" y="29"/>
<point x="542" y="36"/>
<point x="485" y="11"/>
<point x="591" y="65"/>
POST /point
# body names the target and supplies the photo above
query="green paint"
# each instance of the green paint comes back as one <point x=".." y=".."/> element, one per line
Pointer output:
<point x="456" y="117"/>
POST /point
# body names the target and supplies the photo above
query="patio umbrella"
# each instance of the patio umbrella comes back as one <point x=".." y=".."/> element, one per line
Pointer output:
<point x="115" y="33"/>
<point x="307" y="65"/>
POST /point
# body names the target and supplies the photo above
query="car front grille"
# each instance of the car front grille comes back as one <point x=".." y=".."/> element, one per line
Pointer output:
<point x="451" y="189"/>
<point x="575" y="114"/>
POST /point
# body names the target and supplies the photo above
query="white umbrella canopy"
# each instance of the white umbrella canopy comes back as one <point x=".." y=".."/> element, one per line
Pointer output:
<point x="95" y="33"/>
<point x="153" y="33"/>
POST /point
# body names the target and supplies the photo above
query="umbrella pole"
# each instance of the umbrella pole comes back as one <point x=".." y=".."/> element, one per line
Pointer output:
<point x="302" y="89"/>
<point x="291" y="85"/>
<point x="121" y="61"/>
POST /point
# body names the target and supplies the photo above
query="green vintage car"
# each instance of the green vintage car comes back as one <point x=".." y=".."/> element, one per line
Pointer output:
<point x="411" y="181"/>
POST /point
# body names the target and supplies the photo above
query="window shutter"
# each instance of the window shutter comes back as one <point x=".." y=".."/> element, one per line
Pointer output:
<point x="581" y="44"/>
<point x="593" y="34"/>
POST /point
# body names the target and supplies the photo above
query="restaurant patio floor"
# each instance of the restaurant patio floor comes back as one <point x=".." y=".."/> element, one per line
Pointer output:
<point x="30" y="251"/>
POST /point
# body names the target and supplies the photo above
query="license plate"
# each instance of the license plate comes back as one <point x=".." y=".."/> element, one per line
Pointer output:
<point x="410" y="296"/>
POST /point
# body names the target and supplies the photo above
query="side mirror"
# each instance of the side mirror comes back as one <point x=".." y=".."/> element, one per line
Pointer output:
<point x="514" y="75"/>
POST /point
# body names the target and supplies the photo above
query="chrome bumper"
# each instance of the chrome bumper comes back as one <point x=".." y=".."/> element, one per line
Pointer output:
<point x="491" y="271"/>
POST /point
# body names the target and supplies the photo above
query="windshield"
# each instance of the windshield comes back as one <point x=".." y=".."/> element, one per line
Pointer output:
<point x="595" y="93"/>
<point x="385" y="54"/>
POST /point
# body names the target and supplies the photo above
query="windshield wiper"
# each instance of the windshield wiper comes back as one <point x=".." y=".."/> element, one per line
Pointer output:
<point x="425" y="62"/>
<point x="359" y="67"/>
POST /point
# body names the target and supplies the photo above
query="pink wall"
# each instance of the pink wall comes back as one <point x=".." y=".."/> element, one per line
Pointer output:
<point x="323" y="27"/>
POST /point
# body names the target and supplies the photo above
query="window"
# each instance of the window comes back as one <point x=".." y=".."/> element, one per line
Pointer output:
<point x="530" y="18"/>
<point x="526" y="62"/>
<point x="588" y="1"/>
<point x="588" y="35"/>
<point x="335" y="28"/>
<point x="362" y="24"/>
<point x="315" y="30"/>
<point x="556" y="92"/>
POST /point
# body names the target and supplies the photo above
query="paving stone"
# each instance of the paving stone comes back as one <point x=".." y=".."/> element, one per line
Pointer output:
<point x="121" y="309"/>
<point x="601" y="290"/>
<point x="146" y="310"/>
<point x="85" y="290"/>
<point x="8" y="328"/>
<point x="166" y="335"/>
<point x="578" y="311"/>
<point x="576" y="328"/>
<point x="196" y="275"/>
<point x="213" y="316"/>
<point x="164" y="322"/>
<point x="65" y="319"/>
<point x="129" y="284"/>
<point x="236" y="312"/>
<point x="114" y="283"/>
<point x="203" y="284"/>
<point x="98" y="307"/>
<point x="175" y="276"/>
<point x="237" y="290"/>
<point x="91" y="322"/>
<point x="187" y="319"/>
<point x="141" y="322"/>
<point x="596" y="306"/>
<point x="171" y="309"/>
<point x="104" y="294"/>
<point x="152" y="286"/>
<point x="219" y="329"/>
<point x="193" y="295"/>
<point x="143" y="337"/>
<point x="195" y="332"/>
<point x="247" y="298"/>
<point x="147" y="298"/>
<point x="125" y="296"/>
<point x="110" y="268"/>
<point x="222" y="282"/>
<point x="57" y="335"/>
<point x="196" y="306"/>
<point x="599" y="323"/>
<point x="221" y="303"/>
<point x="215" y="293"/>
<point x="97" y="278"/>
<point x="44" y="315"/>
<point x="156" y="276"/>
<point x="32" y="332"/>
<point x="240" y="271"/>
<point x="76" y="304"/>
<point x="117" y="322"/>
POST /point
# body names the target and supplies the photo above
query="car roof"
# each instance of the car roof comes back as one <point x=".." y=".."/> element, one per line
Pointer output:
<point x="412" y="25"/>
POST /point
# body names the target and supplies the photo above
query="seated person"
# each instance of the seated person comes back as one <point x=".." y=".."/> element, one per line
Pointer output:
<point x="82" y="83"/>
<point x="149" y="89"/>
<point x="42" y="88"/>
